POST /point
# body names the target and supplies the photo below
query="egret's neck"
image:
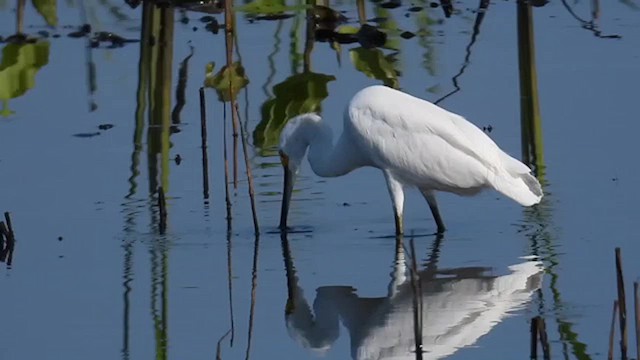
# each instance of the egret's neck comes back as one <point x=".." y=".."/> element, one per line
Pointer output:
<point x="327" y="159"/>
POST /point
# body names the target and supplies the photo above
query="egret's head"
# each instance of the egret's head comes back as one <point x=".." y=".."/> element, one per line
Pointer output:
<point x="294" y="141"/>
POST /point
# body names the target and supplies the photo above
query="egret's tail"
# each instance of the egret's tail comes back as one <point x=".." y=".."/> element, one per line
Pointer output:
<point x="517" y="182"/>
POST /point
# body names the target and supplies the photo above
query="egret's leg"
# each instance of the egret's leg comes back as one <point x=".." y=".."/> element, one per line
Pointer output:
<point x="433" y="205"/>
<point x="397" y="198"/>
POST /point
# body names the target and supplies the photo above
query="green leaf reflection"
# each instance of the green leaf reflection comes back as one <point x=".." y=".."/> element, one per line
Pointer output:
<point x="374" y="64"/>
<point x="20" y="63"/>
<point x="220" y="80"/>
<point x="298" y="94"/>
<point x="48" y="9"/>
<point x="268" y="7"/>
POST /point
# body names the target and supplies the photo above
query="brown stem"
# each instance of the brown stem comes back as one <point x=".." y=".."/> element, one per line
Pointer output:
<point x="247" y="166"/>
<point x="203" y="137"/>
<point x="20" y="16"/>
<point x="226" y="166"/>
<point x="636" y="297"/>
<point x="612" y="330"/>
<point x="622" y="305"/>
<point x="228" y="23"/>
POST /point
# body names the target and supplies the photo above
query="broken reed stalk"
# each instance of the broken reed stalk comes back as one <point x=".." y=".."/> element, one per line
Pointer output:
<point x="162" y="205"/>
<point x="612" y="330"/>
<point x="636" y="300"/>
<point x="228" y="25"/>
<point x="622" y="305"/>
<point x="226" y="166"/>
<point x="247" y="166"/>
<point x="219" y="347"/>
<point x="417" y="303"/>
<point x="203" y="137"/>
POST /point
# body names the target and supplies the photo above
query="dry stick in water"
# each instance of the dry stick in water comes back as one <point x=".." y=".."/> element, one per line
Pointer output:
<point x="636" y="297"/>
<point x="203" y="136"/>
<point x="228" y="24"/>
<point x="162" y="205"/>
<point x="247" y="166"/>
<point x="226" y="166"/>
<point x="612" y="330"/>
<point x="622" y="305"/>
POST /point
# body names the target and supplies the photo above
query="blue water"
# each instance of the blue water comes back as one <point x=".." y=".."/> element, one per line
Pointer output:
<point x="93" y="277"/>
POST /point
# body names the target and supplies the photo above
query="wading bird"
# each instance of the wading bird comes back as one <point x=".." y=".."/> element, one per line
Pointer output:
<point x="414" y="143"/>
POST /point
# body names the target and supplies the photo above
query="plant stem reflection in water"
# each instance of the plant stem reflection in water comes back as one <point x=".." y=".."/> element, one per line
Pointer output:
<point x="154" y="100"/>
<point x="538" y="222"/>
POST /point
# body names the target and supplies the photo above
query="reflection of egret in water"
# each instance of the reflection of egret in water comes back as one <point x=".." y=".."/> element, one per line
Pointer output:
<point x="459" y="306"/>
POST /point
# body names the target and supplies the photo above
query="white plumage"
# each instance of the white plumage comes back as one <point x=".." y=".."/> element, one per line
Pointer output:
<point x="414" y="143"/>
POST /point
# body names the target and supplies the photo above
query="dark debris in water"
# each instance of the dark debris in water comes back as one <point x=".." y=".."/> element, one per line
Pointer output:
<point x="391" y="4"/>
<point x="87" y="135"/>
<point x="407" y="35"/>
<point x="19" y="38"/>
<point x="115" y="40"/>
<point x="105" y="126"/>
<point x="83" y="31"/>
<point x="368" y="36"/>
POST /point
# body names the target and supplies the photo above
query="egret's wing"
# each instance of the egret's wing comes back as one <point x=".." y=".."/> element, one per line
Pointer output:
<point x="423" y="143"/>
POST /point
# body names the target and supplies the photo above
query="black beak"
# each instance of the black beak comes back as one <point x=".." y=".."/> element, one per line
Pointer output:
<point x="286" y="197"/>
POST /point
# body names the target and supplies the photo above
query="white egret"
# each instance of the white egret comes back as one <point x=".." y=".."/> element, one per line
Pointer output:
<point x="414" y="143"/>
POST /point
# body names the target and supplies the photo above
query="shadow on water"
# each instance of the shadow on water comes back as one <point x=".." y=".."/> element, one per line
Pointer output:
<point x="538" y="220"/>
<point x="459" y="305"/>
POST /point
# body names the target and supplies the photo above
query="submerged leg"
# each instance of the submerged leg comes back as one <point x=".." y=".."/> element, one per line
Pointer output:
<point x="433" y="205"/>
<point x="397" y="198"/>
